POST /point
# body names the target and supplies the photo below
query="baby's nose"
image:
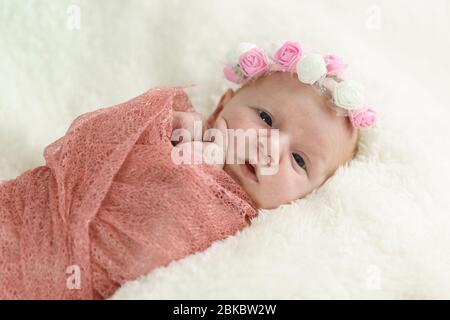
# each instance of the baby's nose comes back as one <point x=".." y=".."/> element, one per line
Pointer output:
<point x="268" y="150"/>
<point x="262" y="153"/>
<point x="268" y="158"/>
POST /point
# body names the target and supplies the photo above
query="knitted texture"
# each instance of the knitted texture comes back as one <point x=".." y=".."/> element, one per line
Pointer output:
<point x="110" y="205"/>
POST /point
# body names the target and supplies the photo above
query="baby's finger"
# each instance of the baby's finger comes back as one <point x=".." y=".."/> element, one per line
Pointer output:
<point x="190" y="152"/>
<point x="218" y="133"/>
<point x="191" y="124"/>
<point x="221" y="124"/>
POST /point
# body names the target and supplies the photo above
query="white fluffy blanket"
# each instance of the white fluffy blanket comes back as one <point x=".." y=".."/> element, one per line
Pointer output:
<point x="378" y="229"/>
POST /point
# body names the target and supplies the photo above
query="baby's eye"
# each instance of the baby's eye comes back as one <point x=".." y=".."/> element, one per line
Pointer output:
<point x="265" y="117"/>
<point x="299" y="159"/>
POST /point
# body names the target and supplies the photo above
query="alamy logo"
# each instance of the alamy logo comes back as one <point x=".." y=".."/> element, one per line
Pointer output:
<point x="73" y="281"/>
<point x="235" y="146"/>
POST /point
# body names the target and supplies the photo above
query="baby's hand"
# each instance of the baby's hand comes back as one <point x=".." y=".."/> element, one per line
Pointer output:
<point x="217" y="137"/>
<point x="193" y="122"/>
<point x="211" y="151"/>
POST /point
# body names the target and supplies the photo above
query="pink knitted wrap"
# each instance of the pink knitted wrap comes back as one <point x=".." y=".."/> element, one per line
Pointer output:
<point x="110" y="203"/>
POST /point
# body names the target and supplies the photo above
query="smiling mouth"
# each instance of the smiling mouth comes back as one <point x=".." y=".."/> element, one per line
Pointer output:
<point x="249" y="170"/>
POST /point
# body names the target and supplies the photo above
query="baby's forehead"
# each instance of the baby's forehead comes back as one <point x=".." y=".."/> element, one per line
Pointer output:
<point x="286" y="95"/>
<point x="298" y="102"/>
<point x="284" y="86"/>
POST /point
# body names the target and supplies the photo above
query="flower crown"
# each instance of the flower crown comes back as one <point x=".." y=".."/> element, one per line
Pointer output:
<point x="249" y="62"/>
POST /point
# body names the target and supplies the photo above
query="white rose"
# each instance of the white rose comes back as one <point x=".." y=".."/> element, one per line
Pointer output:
<point x="349" y="95"/>
<point x="233" y="55"/>
<point x="311" y="68"/>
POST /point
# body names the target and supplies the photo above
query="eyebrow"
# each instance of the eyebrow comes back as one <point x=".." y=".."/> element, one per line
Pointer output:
<point x="264" y="107"/>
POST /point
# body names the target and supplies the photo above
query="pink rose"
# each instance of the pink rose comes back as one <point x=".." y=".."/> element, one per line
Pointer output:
<point x="363" y="118"/>
<point x="253" y="62"/>
<point x="231" y="75"/>
<point x="288" y="55"/>
<point x="335" y="65"/>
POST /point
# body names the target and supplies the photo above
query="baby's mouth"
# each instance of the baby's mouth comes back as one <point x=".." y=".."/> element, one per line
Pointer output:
<point x="249" y="170"/>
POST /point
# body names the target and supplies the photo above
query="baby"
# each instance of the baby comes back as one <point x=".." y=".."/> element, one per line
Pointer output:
<point x="113" y="202"/>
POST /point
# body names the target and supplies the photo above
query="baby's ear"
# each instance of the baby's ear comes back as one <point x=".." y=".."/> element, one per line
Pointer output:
<point x="223" y="101"/>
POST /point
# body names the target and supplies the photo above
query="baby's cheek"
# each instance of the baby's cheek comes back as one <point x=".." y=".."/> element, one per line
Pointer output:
<point x="287" y="185"/>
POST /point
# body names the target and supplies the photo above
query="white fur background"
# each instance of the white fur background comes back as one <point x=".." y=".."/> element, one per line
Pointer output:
<point x="380" y="228"/>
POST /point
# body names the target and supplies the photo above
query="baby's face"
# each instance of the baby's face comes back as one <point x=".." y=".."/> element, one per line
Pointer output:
<point x="313" y="141"/>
